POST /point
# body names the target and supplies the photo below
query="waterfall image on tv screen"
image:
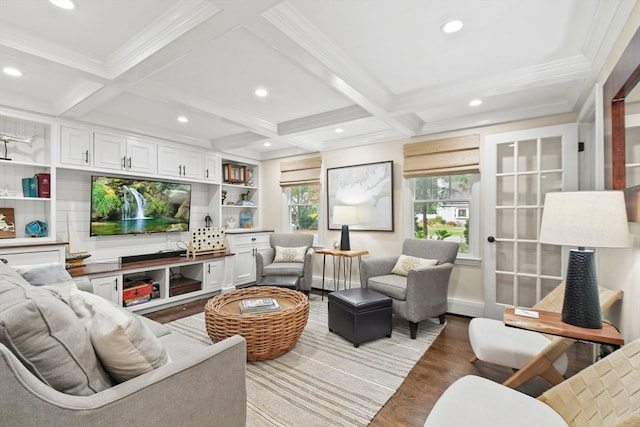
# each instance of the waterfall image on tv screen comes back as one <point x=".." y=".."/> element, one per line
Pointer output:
<point x="137" y="206"/>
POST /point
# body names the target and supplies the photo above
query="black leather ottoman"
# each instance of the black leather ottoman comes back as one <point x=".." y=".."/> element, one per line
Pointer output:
<point x="360" y="315"/>
<point x="289" y="282"/>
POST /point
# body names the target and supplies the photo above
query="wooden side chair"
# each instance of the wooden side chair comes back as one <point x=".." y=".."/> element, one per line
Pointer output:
<point x="530" y="353"/>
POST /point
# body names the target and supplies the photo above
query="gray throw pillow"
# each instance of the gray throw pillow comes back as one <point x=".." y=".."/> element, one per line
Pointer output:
<point x="47" y="337"/>
<point x="50" y="274"/>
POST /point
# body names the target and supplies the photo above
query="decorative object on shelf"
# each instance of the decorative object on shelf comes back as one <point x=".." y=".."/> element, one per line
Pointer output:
<point x="246" y="220"/>
<point x="234" y="174"/>
<point x="249" y="182"/>
<point x="44" y="184"/>
<point x="345" y="215"/>
<point x="36" y="229"/>
<point x="8" y="138"/>
<point x="245" y="196"/>
<point x="75" y="253"/>
<point x="587" y="219"/>
<point x="30" y="187"/>
<point x="207" y="240"/>
<point x="7" y="223"/>
<point x="207" y="221"/>
<point x="224" y="196"/>
<point x="230" y="222"/>
<point x="5" y="192"/>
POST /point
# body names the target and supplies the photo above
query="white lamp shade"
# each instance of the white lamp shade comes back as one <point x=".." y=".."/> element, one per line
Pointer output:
<point x="345" y="215"/>
<point x="593" y="219"/>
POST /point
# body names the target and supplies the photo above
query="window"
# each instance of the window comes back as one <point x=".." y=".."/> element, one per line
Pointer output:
<point x="443" y="208"/>
<point x="303" y="207"/>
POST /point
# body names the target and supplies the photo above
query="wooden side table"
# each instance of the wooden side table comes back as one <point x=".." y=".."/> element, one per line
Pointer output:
<point x="340" y="259"/>
<point x="551" y="323"/>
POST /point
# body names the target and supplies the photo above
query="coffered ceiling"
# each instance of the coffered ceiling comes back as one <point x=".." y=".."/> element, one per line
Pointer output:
<point x="378" y="70"/>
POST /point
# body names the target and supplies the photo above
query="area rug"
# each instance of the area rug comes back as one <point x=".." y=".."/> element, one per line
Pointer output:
<point x="324" y="380"/>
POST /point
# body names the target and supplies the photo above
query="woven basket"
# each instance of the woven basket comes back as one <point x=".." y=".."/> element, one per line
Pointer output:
<point x="268" y="335"/>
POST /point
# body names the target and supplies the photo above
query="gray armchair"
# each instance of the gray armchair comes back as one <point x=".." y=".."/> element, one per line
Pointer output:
<point x="420" y="295"/>
<point x="304" y="270"/>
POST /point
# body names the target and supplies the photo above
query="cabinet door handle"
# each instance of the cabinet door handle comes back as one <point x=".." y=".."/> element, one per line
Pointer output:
<point x="253" y="239"/>
<point x="129" y="162"/>
<point x="124" y="162"/>
<point x="86" y="156"/>
<point x="184" y="170"/>
<point x="206" y="174"/>
<point x="209" y="268"/>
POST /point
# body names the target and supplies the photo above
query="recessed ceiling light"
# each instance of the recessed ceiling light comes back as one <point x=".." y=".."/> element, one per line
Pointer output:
<point x="475" y="102"/>
<point x="338" y="130"/>
<point x="261" y="92"/>
<point x="267" y="144"/>
<point x="452" y="26"/>
<point x="12" y="71"/>
<point x="182" y="119"/>
<point x="63" y="4"/>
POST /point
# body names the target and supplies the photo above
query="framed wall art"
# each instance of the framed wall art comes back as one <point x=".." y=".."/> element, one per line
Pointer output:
<point x="368" y="188"/>
<point x="7" y="223"/>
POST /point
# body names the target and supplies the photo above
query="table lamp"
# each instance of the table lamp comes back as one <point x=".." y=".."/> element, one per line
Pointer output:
<point x="586" y="219"/>
<point x="345" y="215"/>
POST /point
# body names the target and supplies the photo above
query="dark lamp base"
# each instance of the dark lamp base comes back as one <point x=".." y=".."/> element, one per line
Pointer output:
<point x="344" y="239"/>
<point x="581" y="305"/>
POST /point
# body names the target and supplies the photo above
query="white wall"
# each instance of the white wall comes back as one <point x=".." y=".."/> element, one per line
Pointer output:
<point x="466" y="292"/>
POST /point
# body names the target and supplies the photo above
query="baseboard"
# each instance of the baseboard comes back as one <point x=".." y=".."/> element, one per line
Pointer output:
<point x="456" y="305"/>
<point x="466" y="308"/>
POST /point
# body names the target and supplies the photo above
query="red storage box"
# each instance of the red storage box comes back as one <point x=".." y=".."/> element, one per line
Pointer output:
<point x="137" y="291"/>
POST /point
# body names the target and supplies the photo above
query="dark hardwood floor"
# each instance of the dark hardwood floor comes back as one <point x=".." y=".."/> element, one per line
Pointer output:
<point x="446" y="360"/>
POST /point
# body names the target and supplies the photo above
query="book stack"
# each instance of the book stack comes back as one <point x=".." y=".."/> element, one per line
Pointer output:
<point x="261" y="305"/>
<point x="137" y="291"/>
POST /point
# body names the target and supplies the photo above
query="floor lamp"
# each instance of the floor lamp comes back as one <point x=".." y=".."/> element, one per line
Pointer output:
<point x="586" y="219"/>
<point x="345" y="215"/>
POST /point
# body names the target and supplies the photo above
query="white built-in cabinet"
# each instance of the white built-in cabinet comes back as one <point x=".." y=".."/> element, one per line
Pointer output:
<point x="119" y="153"/>
<point x="245" y="246"/>
<point x="75" y="146"/>
<point x="64" y="145"/>
<point x="206" y="275"/>
<point x="180" y="162"/>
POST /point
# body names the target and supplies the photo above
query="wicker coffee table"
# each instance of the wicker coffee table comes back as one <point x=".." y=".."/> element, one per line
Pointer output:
<point x="268" y="335"/>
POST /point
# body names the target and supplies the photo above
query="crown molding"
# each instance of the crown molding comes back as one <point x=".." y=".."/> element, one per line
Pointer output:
<point x="42" y="48"/>
<point x="175" y="22"/>
<point x="80" y="91"/>
<point x="566" y="69"/>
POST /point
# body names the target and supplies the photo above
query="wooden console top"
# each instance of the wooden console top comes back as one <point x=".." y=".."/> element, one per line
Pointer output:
<point x="112" y="267"/>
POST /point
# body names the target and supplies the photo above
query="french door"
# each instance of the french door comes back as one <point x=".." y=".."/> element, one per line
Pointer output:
<point x="519" y="169"/>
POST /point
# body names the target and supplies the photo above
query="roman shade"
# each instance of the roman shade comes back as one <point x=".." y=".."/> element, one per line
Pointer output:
<point x="300" y="172"/>
<point x="447" y="156"/>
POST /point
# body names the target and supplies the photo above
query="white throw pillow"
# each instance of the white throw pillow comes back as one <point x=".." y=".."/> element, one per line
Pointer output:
<point x="290" y="254"/>
<point x="406" y="263"/>
<point x="124" y="344"/>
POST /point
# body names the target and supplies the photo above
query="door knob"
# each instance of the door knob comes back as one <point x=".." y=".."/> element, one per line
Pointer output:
<point x="491" y="239"/>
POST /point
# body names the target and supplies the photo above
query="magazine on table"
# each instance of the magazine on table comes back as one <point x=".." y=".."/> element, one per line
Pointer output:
<point x="259" y="305"/>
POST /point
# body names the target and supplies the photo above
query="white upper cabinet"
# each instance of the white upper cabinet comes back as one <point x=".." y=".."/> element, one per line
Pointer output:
<point x="124" y="154"/>
<point x="175" y="162"/>
<point x="212" y="168"/>
<point x="75" y="146"/>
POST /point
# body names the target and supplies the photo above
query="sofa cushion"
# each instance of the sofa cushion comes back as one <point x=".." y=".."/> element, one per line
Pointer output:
<point x="406" y="263"/>
<point x="46" y="336"/>
<point x="284" y="269"/>
<point x="50" y="274"/>
<point x="123" y="342"/>
<point x="286" y="254"/>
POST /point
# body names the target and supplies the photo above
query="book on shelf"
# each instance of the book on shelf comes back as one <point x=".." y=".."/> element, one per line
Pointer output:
<point x="44" y="184"/>
<point x="29" y="187"/>
<point x="260" y="305"/>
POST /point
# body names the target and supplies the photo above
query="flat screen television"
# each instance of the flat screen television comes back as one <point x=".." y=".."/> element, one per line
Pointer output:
<point x="138" y="206"/>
